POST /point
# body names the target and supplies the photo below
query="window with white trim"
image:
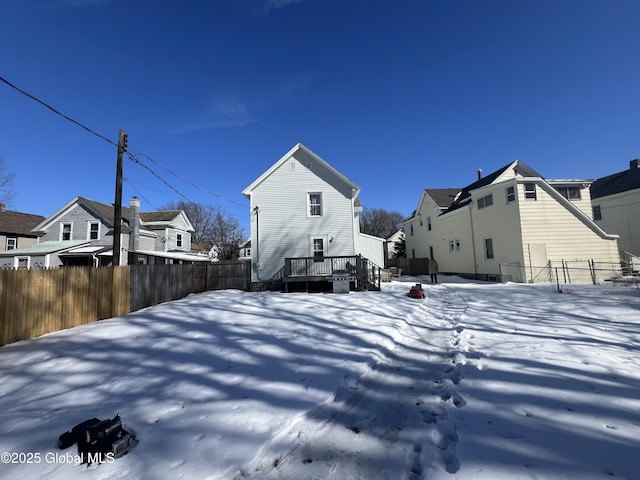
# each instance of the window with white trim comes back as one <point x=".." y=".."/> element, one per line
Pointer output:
<point x="12" y="243"/>
<point x="488" y="248"/>
<point x="318" y="249"/>
<point x="454" y="245"/>
<point x="511" y="194"/>
<point x="570" y="193"/>
<point x="429" y="223"/>
<point x="179" y="240"/>
<point x="315" y="204"/>
<point x="485" y="201"/>
<point x="530" y="191"/>
<point x="66" y="231"/>
<point x="93" y="230"/>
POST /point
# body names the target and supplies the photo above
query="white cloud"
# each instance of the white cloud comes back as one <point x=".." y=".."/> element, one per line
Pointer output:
<point x="221" y="110"/>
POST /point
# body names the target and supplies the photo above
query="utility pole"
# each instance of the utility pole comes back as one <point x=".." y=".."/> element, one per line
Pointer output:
<point x="117" y="207"/>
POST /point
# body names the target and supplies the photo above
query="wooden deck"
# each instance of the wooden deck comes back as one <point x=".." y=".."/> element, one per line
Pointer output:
<point x="311" y="271"/>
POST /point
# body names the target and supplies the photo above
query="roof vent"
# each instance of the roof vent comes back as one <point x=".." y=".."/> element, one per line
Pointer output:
<point x="634" y="164"/>
<point x="479" y="174"/>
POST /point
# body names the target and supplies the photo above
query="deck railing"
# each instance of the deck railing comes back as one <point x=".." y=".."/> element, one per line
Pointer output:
<point x="317" y="268"/>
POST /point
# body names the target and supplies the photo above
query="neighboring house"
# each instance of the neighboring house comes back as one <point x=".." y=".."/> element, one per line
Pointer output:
<point x="245" y="250"/>
<point x="15" y="229"/>
<point x="390" y="244"/>
<point x="508" y="225"/>
<point x="81" y="234"/>
<point x="419" y="226"/>
<point x="616" y="207"/>
<point x="303" y="207"/>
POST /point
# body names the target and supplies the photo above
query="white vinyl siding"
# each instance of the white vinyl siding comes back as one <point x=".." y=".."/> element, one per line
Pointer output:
<point x="548" y="222"/>
<point x="281" y="226"/>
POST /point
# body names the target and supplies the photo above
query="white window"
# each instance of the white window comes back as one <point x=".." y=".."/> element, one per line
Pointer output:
<point x="318" y="248"/>
<point x="511" y="194"/>
<point x="315" y="204"/>
<point x="488" y="248"/>
<point x="570" y="193"/>
<point x="429" y="223"/>
<point x="93" y="230"/>
<point x="12" y="243"/>
<point x="454" y="245"/>
<point x="179" y="240"/>
<point x="530" y="191"/>
<point x="65" y="231"/>
<point x="23" y="262"/>
<point x="485" y="201"/>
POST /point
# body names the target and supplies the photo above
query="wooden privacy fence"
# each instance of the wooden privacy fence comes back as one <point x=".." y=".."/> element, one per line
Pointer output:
<point x="34" y="302"/>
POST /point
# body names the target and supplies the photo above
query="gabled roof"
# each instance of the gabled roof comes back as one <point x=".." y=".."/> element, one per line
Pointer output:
<point x="99" y="210"/>
<point x="105" y="213"/>
<point x="441" y="196"/>
<point x="17" y="223"/>
<point x="300" y="147"/>
<point x="617" y="183"/>
<point x="465" y="194"/>
<point x="159" y="216"/>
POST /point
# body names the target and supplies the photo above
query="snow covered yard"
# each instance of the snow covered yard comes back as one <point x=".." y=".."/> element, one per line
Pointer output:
<point x="476" y="381"/>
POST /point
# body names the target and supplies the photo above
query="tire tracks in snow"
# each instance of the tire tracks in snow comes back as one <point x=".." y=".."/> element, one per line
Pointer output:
<point x="392" y="422"/>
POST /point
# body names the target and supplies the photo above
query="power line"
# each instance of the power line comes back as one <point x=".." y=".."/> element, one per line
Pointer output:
<point x="189" y="182"/>
<point x="57" y="112"/>
<point x="134" y="158"/>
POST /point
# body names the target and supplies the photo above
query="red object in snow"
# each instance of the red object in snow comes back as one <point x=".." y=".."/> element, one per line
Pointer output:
<point x="416" y="291"/>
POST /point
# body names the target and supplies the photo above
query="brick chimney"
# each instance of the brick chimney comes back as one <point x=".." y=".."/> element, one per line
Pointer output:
<point x="633" y="164"/>
<point x="134" y="213"/>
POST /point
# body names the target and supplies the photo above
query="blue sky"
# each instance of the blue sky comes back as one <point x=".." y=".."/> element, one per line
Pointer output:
<point x="398" y="95"/>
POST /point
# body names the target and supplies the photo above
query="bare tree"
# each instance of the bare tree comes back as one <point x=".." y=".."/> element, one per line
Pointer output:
<point x="7" y="190"/>
<point x="379" y="222"/>
<point x="213" y="227"/>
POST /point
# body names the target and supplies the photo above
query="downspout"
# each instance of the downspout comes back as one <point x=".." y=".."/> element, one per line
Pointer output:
<point x="256" y="210"/>
<point x="473" y="242"/>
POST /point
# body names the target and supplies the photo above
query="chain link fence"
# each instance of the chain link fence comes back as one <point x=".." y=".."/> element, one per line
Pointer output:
<point x="581" y="277"/>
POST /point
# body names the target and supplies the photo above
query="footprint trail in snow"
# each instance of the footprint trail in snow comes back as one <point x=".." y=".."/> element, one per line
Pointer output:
<point x="392" y="421"/>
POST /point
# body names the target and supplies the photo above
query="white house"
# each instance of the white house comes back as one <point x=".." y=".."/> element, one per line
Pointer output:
<point x="509" y="225"/>
<point x="392" y="242"/>
<point x="616" y="207"/>
<point x="303" y="207"/>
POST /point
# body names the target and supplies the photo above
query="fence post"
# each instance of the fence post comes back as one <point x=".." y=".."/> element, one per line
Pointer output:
<point x="592" y="268"/>
<point x="558" y="281"/>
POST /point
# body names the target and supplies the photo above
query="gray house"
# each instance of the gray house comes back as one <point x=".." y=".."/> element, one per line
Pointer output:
<point x="16" y="229"/>
<point x="615" y="199"/>
<point x="81" y="234"/>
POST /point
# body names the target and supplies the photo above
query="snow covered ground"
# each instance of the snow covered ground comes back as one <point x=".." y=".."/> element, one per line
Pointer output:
<point x="476" y="381"/>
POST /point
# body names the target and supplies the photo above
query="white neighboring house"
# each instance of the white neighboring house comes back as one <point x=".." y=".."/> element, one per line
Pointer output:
<point x="244" y="253"/>
<point x="303" y="207"/>
<point x="616" y="208"/>
<point x="509" y="225"/>
<point x="390" y="244"/>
